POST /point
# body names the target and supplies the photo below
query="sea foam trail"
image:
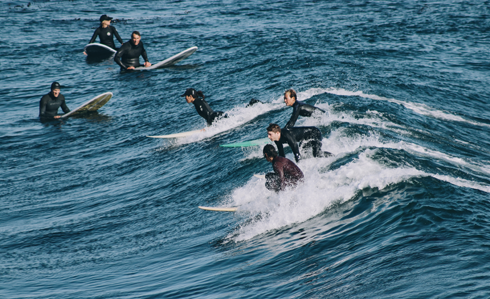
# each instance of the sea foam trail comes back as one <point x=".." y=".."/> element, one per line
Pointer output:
<point x="418" y="108"/>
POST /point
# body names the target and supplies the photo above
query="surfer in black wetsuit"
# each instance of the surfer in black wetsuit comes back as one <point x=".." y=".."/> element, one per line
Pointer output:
<point x="286" y="173"/>
<point x="293" y="136"/>
<point x="299" y="108"/>
<point x="49" y="104"/>
<point x="106" y="33"/>
<point x="202" y="107"/>
<point x="128" y="56"/>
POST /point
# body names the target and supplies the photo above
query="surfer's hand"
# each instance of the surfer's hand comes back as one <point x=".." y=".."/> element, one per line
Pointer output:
<point x="130" y="68"/>
<point x="147" y="64"/>
<point x="203" y="130"/>
<point x="84" y="53"/>
<point x="57" y="116"/>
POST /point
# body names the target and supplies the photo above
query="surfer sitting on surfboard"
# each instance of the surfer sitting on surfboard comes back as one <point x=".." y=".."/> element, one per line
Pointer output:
<point x="106" y="33"/>
<point x="202" y="107"/>
<point x="128" y="56"/>
<point x="286" y="173"/>
<point x="293" y="136"/>
<point x="299" y="108"/>
<point x="49" y="104"/>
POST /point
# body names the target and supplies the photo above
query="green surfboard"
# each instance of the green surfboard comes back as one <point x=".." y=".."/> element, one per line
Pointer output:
<point x="257" y="142"/>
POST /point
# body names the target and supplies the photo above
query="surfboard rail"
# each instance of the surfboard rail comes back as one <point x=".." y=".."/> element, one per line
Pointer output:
<point x="91" y="105"/>
<point x="170" y="61"/>
<point x="217" y="209"/>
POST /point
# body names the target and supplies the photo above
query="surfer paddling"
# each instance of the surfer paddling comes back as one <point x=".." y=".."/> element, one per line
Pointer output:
<point x="128" y="56"/>
<point x="202" y="107"/>
<point x="286" y="173"/>
<point x="293" y="136"/>
<point x="49" y="104"/>
<point x="299" y="108"/>
<point x="106" y="33"/>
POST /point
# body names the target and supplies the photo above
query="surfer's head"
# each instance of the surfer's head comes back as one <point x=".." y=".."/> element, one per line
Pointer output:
<point x="274" y="132"/>
<point x="191" y="94"/>
<point x="105" y="20"/>
<point x="290" y="97"/>
<point x="269" y="152"/>
<point x="135" y="37"/>
<point x="55" y="89"/>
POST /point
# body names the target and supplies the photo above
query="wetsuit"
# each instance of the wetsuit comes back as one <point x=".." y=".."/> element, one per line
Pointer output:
<point x="303" y="109"/>
<point x="48" y="106"/>
<point x="293" y="136"/>
<point x="129" y="54"/>
<point x="286" y="174"/>
<point x="205" y="111"/>
<point x="106" y="36"/>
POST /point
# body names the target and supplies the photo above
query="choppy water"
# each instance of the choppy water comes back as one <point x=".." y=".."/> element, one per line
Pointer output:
<point x="91" y="208"/>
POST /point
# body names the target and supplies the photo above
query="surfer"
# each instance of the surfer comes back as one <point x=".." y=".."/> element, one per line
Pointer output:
<point x="128" y="56"/>
<point x="202" y="107"/>
<point x="299" y="108"/>
<point x="106" y="33"/>
<point x="286" y="173"/>
<point x="293" y="136"/>
<point x="49" y="104"/>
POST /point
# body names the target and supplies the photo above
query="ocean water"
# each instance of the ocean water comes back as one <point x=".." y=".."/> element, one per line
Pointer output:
<point x="92" y="208"/>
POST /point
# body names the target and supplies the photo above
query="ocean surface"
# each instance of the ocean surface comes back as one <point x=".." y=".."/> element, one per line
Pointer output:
<point x="92" y="208"/>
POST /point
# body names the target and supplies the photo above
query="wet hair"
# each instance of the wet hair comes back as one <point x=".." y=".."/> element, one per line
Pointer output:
<point x="270" y="151"/>
<point x="200" y="94"/>
<point x="292" y="93"/>
<point x="274" y="128"/>
<point x="136" y="33"/>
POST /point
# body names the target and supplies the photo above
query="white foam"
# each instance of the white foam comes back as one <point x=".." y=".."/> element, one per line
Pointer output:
<point x="418" y="108"/>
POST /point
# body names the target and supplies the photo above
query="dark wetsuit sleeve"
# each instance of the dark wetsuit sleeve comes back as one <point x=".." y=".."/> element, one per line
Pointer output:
<point x="120" y="53"/>
<point x="143" y="53"/>
<point x="279" y="170"/>
<point x="116" y="34"/>
<point x="287" y="137"/>
<point x="96" y="32"/>
<point x="63" y="104"/>
<point x="204" y="110"/>
<point x="42" y="106"/>
<point x="280" y="148"/>
<point x="294" y="116"/>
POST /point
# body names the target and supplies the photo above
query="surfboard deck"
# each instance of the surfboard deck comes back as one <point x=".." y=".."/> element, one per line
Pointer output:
<point x="169" y="61"/>
<point x="99" y="50"/>
<point x="91" y="105"/>
<point x="177" y="135"/>
<point x="230" y="209"/>
<point x="260" y="176"/>
<point x="257" y="142"/>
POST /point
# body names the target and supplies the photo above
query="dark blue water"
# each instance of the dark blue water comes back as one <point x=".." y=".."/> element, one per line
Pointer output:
<point x="92" y="208"/>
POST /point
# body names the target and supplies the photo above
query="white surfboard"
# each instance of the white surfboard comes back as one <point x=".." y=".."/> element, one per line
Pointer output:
<point x="177" y="135"/>
<point x="231" y="209"/>
<point x="260" y="176"/>
<point x="96" y="49"/>
<point x="169" y="61"/>
<point x="91" y="105"/>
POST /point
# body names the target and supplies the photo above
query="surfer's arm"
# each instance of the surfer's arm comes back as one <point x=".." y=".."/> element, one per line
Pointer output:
<point x="96" y="32"/>
<point x="42" y="107"/>
<point x="280" y="148"/>
<point x="293" y="119"/>
<point x="293" y="144"/>
<point x="64" y="107"/>
<point x="116" y="34"/>
<point x="279" y="170"/>
<point x="117" y="58"/>
<point x="145" y="57"/>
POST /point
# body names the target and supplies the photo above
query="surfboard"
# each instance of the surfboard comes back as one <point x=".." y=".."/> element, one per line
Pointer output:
<point x="99" y="50"/>
<point x="260" y="176"/>
<point x="177" y="135"/>
<point x="91" y="105"/>
<point x="169" y="61"/>
<point x="231" y="209"/>
<point x="257" y="142"/>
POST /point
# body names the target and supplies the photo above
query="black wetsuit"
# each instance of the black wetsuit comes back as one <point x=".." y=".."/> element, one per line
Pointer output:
<point x="106" y="36"/>
<point x="129" y="54"/>
<point x="293" y="136"/>
<point x="205" y="111"/>
<point x="303" y="109"/>
<point x="286" y="174"/>
<point x="48" y="106"/>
